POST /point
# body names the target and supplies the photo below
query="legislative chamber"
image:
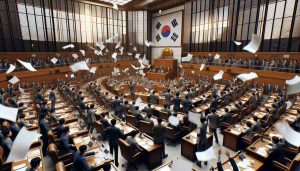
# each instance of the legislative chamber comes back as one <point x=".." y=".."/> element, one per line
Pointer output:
<point x="150" y="85"/>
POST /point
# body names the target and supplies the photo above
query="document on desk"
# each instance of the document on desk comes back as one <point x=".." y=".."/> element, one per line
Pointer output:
<point x="262" y="151"/>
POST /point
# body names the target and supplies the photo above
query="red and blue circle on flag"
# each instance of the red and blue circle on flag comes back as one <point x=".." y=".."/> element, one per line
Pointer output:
<point x="165" y="31"/>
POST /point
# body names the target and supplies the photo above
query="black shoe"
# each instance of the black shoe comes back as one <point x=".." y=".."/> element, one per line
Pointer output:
<point x="117" y="164"/>
<point x="165" y="156"/>
<point x="198" y="164"/>
<point x="205" y="162"/>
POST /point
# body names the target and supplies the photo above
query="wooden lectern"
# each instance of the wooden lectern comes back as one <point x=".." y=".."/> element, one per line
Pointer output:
<point x="166" y="63"/>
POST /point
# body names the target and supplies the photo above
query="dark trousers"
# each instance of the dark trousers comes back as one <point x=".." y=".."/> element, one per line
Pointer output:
<point x="112" y="149"/>
<point x="214" y="131"/>
<point x="90" y="127"/>
<point x="52" y="104"/>
<point x="45" y="144"/>
<point x="163" y="148"/>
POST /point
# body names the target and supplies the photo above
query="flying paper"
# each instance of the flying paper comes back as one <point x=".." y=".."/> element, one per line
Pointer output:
<point x="194" y="118"/>
<point x="27" y="65"/>
<point x="202" y="67"/>
<point x="114" y="55"/>
<point x="74" y="55"/>
<point x="289" y="134"/>
<point x="8" y="113"/>
<point x="87" y="60"/>
<point x="83" y="52"/>
<point x="293" y="85"/>
<point x="139" y="103"/>
<point x="217" y="56"/>
<point x="125" y="70"/>
<point x="118" y="45"/>
<point x="129" y="54"/>
<point x="54" y="60"/>
<point x="247" y="76"/>
<point x="134" y="49"/>
<point x="66" y="75"/>
<point x="68" y="46"/>
<point x="72" y="75"/>
<point x="109" y="40"/>
<point x="288" y="104"/>
<point x="21" y="90"/>
<point x="115" y="6"/>
<point x="159" y="11"/>
<point x="237" y="43"/>
<point x="254" y="44"/>
<point x="142" y="72"/>
<point x="97" y="52"/>
<point x="187" y="58"/>
<point x="137" y="56"/>
<point x="22" y="144"/>
<point x="148" y="43"/>
<point x="79" y="66"/>
<point x="134" y="67"/>
<point x="206" y="155"/>
<point x="121" y="49"/>
<point x="286" y="56"/>
<point x="11" y="68"/>
<point x="116" y="71"/>
<point x="14" y="80"/>
<point x="219" y="75"/>
<point x="173" y="120"/>
<point x="93" y="70"/>
<point x="100" y="45"/>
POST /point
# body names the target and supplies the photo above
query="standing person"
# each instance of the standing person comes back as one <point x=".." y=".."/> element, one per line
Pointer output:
<point x="52" y="98"/>
<point x="116" y="105"/>
<point x="168" y="98"/>
<point x="153" y="98"/>
<point x="202" y="139"/>
<point x="91" y="118"/>
<point x="131" y="90"/>
<point x="34" y="164"/>
<point x="160" y="135"/>
<point x="44" y="128"/>
<point x="177" y="102"/>
<point x="213" y="121"/>
<point x="79" y="161"/>
<point x="187" y="104"/>
<point x="114" y="134"/>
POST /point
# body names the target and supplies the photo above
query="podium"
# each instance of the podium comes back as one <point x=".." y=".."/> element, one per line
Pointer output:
<point x="166" y="63"/>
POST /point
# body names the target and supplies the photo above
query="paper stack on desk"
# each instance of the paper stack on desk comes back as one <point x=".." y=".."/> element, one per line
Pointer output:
<point x="262" y="151"/>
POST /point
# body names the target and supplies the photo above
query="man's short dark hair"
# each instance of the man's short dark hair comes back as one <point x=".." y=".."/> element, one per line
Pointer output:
<point x="61" y="121"/>
<point x="82" y="148"/>
<point x="35" y="162"/>
<point x="113" y="121"/>
<point x="202" y="119"/>
<point x="159" y="120"/>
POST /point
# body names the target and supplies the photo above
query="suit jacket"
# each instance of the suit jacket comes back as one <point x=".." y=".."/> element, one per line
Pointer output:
<point x="177" y="102"/>
<point x="64" y="145"/>
<point x="226" y="117"/>
<point x="114" y="134"/>
<point x="202" y="139"/>
<point x="44" y="127"/>
<point x="232" y="162"/>
<point x="82" y="105"/>
<point x="148" y="110"/>
<point x="213" y="120"/>
<point x="167" y="111"/>
<point x="168" y="98"/>
<point x="153" y="99"/>
<point x="105" y="122"/>
<point x="117" y="105"/>
<point x="186" y="105"/>
<point x="159" y="133"/>
<point x="138" y="116"/>
<point x="277" y="152"/>
<point x="59" y="130"/>
<point x="214" y="103"/>
<point x="52" y="96"/>
<point x="256" y="127"/>
<point x="125" y="109"/>
<point x="1" y="99"/>
<point x="79" y="161"/>
<point x="91" y="116"/>
<point x="15" y="129"/>
<point x="7" y="144"/>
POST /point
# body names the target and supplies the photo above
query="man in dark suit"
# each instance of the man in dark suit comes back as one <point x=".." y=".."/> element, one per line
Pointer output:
<point x="91" y="118"/>
<point x="65" y="146"/>
<point x="214" y="103"/>
<point x="187" y="104"/>
<point x="44" y="128"/>
<point x="131" y="90"/>
<point x="39" y="97"/>
<point x="125" y="108"/>
<point x="10" y="91"/>
<point x="148" y="110"/>
<point x="276" y="152"/>
<point x="104" y="121"/>
<point x="168" y="98"/>
<point x="114" y="134"/>
<point x="79" y="161"/>
<point x="52" y="98"/>
<point x="256" y="127"/>
<point x="213" y="123"/>
<point x="160" y="135"/>
<point x="166" y="110"/>
<point x="153" y="99"/>
<point x="202" y="139"/>
<point x="248" y="131"/>
<point x="15" y="129"/>
<point x="137" y="114"/>
<point x="34" y="164"/>
<point x="6" y="142"/>
<point x="177" y="102"/>
<point x="82" y="104"/>
<point x="60" y="127"/>
<point x="44" y="108"/>
<point x="1" y="98"/>
<point x="116" y="105"/>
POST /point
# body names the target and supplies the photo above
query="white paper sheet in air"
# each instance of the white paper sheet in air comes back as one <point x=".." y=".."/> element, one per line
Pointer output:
<point x="82" y="52"/>
<point x="27" y="65"/>
<point x="289" y="134"/>
<point x="247" y="76"/>
<point x="217" y="56"/>
<point x="125" y="70"/>
<point x="11" y="68"/>
<point x="115" y="6"/>
<point x="100" y="45"/>
<point x="79" y="66"/>
<point x="237" y="43"/>
<point x="114" y="55"/>
<point x="14" y="80"/>
<point x="54" y="60"/>
<point x="134" y="49"/>
<point x="121" y="49"/>
<point x="139" y="103"/>
<point x="129" y="54"/>
<point x="148" y="43"/>
<point x="22" y="144"/>
<point x="74" y="55"/>
<point x="97" y="52"/>
<point x="254" y="44"/>
<point x="21" y="90"/>
<point x="137" y="56"/>
<point x="219" y="75"/>
<point x="68" y="46"/>
<point x="293" y="85"/>
<point x="173" y="120"/>
<point x="142" y="72"/>
<point x="93" y="70"/>
<point x="206" y="155"/>
<point x="118" y="45"/>
<point x="187" y="58"/>
<point x="194" y="118"/>
<point x="134" y="67"/>
<point x="72" y="75"/>
<point x="288" y="104"/>
<point x="202" y="67"/>
<point x="144" y="61"/>
<point x="8" y="113"/>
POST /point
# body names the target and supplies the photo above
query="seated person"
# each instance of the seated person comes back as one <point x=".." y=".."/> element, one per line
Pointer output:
<point x="248" y="131"/>
<point x="137" y="114"/>
<point x="148" y="119"/>
<point x="276" y="152"/>
<point x="256" y="127"/>
<point x="296" y="123"/>
<point x="60" y="127"/>
<point x="131" y="141"/>
<point x="79" y="161"/>
<point x="104" y="121"/>
<point x="6" y="142"/>
<point x="34" y="164"/>
<point x="166" y="110"/>
<point x="65" y="146"/>
<point x="226" y="117"/>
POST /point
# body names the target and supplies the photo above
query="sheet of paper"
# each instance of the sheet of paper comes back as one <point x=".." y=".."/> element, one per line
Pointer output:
<point x="72" y="75"/>
<point x="293" y="85"/>
<point x="194" y="118"/>
<point x="144" y="61"/>
<point x="115" y="6"/>
<point x="289" y="134"/>
<point x="254" y="44"/>
<point x="219" y="75"/>
<point x="27" y="65"/>
<point x="21" y="90"/>
<point x="137" y="56"/>
<point x="125" y="70"/>
<point x="130" y="54"/>
<point x="247" y="76"/>
<point x="288" y="104"/>
<point x="100" y="45"/>
<point x="174" y="120"/>
<point x="11" y="68"/>
<point x="8" y="113"/>
<point x="68" y="46"/>
<point x="14" y="80"/>
<point x="74" y="55"/>
<point x="217" y="56"/>
<point x="206" y="155"/>
<point x="93" y="70"/>
<point x="79" y="66"/>
<point x="134" y="49"/>
<point x="82" y="52"/>
<point x="22" y="144"/>
<point x="237" y="43"/>
<point x="121" y="49"/>
<point x="114" y="55"/>
<point x="54" y="60"/>
<point x="118" y="45"/>
<point x="148" y="43"/>
<point x="202" y="67"/>
<point x="187" y="58"/>
<point x="134" y="67"/>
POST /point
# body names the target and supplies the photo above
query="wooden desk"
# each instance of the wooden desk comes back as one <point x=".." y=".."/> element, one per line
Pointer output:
<point x="232" y="136"/>
<point x="84" y="140"/>
<point x="189" y="144"/>
<point x="252" y="150"/>
<point x="158" y="76"/>
<point x="99" y="159"/>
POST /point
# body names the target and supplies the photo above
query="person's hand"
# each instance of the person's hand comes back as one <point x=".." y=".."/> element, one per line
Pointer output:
<point x="227" y="153"/>
<point x="219" y="152"/>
